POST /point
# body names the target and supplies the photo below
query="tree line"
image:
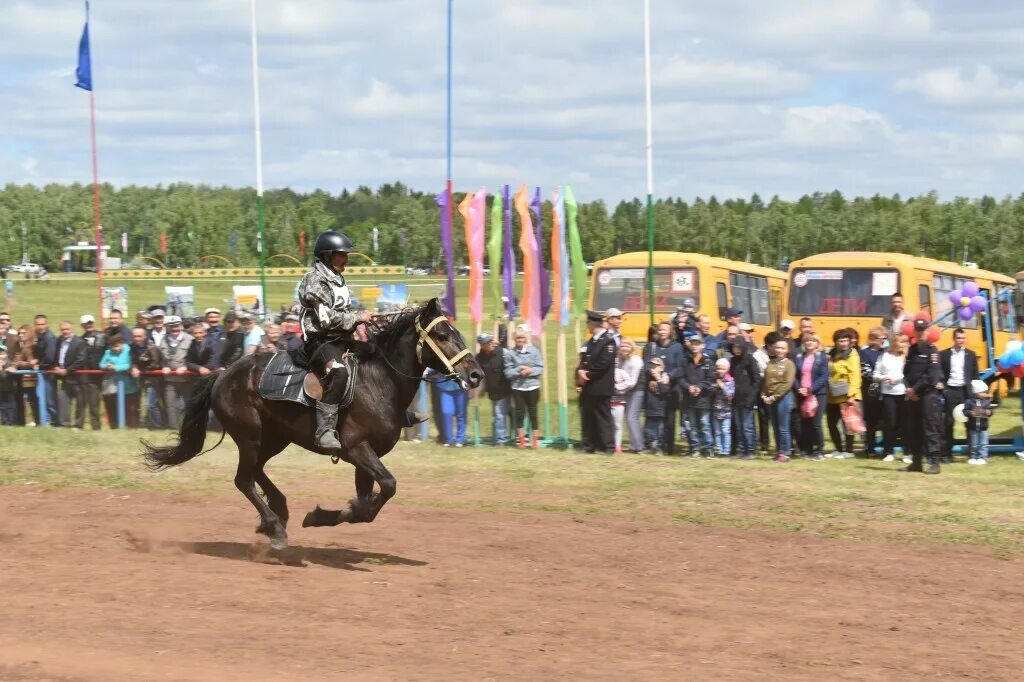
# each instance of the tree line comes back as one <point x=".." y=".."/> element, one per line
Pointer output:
<point x="201" y="220"/>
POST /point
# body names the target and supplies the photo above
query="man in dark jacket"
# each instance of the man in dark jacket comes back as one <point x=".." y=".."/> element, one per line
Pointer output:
<point x="145" y="358"/>
<point x="232" y="341"/>
<point x="596" y="377"/>
<point x="117" y="326"/>
<point x="671" y="354"/>
<point x="491" y="359"/>
<point x="90" y="384"/>
<point x="695" y="382"/>
<point x="871" y="391"/>
<point x="202" y="355"/>
<point x="747" y="378"/>
<point x="959" y="368"/>
<point x="71" y="356"/>
<point x="923" y="432"/>
<point x="46" y="353"/>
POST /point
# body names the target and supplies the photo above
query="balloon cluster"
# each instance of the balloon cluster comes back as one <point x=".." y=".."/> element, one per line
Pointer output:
<point x="1012" y="359"/>
<point x="968" y="301"/>
<point x="933" y="333"/>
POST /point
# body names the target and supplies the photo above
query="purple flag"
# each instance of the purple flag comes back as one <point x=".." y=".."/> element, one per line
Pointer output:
<point x="446" y="245"/>
<point x="509" y="261"/>
<point x="543" y="277"/>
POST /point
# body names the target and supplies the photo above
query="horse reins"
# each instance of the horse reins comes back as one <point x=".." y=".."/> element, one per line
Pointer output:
<point x="425" y="338"/>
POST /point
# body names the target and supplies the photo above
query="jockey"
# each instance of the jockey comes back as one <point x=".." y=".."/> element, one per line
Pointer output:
<point x="327" y="322"/>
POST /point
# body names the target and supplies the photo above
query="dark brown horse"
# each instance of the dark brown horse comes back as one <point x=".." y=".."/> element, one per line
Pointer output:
<point x="404" y="344"/>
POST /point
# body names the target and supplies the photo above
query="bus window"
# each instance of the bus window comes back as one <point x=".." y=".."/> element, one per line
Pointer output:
<point x="750" y="294"/>
<point x="845" y="292"/>
<point x="626" y="288"/>
<point x="924" y="295"/>
<point x="723" y="299"/>
<point x="1002" y="307"/>
<point x="944" y="285"/>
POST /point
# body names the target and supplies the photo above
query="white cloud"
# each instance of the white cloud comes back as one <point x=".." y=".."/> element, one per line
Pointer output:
<point x="951" y="87"/>
<point x="837" y="126"/>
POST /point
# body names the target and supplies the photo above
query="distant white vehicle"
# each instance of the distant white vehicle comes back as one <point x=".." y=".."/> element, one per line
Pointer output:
<point x="31" y="268"/>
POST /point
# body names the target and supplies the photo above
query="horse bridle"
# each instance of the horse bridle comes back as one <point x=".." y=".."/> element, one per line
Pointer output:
<point x="425" y="337"/>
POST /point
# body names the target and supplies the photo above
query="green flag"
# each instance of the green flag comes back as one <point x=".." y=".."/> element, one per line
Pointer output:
<point x="579" y="268"/>
<point x="494" y="246"/>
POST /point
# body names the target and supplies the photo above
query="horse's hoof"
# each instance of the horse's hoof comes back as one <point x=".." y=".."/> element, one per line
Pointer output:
<point x="279" y="543"/>
<point x="309" y="520"/>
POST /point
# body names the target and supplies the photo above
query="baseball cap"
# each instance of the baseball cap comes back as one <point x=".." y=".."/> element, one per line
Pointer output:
<point x="484" y="338"/>
<point x="732" y="312"/>
<point x="231" y="317"/>
<point x="157" y="312"/>
<point x="787" y="324"/>
<point x="613" y="312"/>
<point x="979" y="386"/>
<point x="172" y="319"/>
<point x="689" y="303"/>
<point x="744" y="327"/>
<point x="211" y="310"/>
<point x="86" y="319"/>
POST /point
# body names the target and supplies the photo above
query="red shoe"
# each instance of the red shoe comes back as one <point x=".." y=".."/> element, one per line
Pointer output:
<point x="536" y="442"/>
<point x="618" y="451"/>
<point x="781" y="458"/>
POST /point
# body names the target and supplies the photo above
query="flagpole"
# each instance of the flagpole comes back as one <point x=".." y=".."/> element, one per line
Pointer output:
<point x="448" y="145"/>
<point x="261" y="243"/>
<point x="650" y="157"/>
<point x="98" y="229"/>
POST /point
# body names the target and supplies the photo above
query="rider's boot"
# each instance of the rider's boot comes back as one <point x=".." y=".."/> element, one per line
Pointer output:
<point x="326" y="426"/>
<point x="414" y="418"/>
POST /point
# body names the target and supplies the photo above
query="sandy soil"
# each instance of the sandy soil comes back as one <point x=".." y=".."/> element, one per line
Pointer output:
<point x="100" y="585"/>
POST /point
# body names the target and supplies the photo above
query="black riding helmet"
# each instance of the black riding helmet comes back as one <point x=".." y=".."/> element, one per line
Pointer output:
<point x="329" y="242"/>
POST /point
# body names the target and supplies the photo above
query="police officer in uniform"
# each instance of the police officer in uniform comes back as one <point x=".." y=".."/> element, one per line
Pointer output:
<point x="596" y="377"/>
<point x="923" y="413"/>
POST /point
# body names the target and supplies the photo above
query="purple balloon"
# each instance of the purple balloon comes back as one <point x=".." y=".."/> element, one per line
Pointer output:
<point x="978" y="303"/>
<point x="970" y="289"/>
<point x="955" y="296"/>
<point x="966" y="314"/>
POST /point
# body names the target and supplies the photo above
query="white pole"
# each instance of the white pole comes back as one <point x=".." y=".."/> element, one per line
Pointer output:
<point x="256" y="103"/>
<point x="647" y="96"/>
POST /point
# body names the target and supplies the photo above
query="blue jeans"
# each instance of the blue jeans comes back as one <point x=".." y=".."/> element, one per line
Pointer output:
<point x="743" y="421"/>
<point x="779" y="412"/>
<point x="453" y="405"/>
<point x="977" y="441"/>
<point x="723" y="435"/>
<point x="701" y="437"/>
<point x="499" y="410"/>
<point x="653" y="428"/>
<point x="154" y="406"/>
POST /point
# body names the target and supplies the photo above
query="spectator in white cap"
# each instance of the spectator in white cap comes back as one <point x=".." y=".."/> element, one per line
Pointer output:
<point x="90" y="384"/>
<point x="212" y="318"/>
<point x="613" y="316"/>
<point x="491" y="359"/>
<point x="786" y="328"/>
<point x="977" y="409"/>
<point x="173" y="364"/>
<point x="747" y="333"/>
<point x="157" y="331"/>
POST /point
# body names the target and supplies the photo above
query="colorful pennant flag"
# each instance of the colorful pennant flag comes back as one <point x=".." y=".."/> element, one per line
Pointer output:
<point x="559" y="259"/>
<point x="509" y="260"/>
<point x="447" y="247"/>
<point x="530" y="310"/>
<point x="543" y="277"/>
<point x="494" y="253"/>
<point x="579" y="268"/>
<point x="475" y="243"/>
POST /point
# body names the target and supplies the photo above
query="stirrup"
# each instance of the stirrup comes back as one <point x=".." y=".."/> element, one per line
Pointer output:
<point x="414" y="418"/>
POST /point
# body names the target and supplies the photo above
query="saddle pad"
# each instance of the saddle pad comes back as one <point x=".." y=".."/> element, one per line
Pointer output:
<point x="282" y="380"/>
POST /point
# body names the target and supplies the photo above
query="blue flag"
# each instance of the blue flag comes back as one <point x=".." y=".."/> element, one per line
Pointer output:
<point x="83" y="73"/>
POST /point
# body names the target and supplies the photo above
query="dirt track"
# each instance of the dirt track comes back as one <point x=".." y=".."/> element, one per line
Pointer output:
<point x="97" y="585"/>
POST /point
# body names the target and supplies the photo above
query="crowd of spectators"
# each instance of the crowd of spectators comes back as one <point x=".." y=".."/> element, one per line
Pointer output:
<point x="725" y="395"/>
<point x="153" y="364"/>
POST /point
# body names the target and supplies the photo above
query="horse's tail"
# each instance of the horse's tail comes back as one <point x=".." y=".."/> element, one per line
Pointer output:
<point x="192" y="433"/>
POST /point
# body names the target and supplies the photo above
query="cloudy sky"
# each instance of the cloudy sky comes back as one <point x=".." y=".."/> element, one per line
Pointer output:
<point x="770" y="96"/>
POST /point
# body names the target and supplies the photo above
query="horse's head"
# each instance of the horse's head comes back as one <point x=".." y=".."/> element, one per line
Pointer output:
<point x="441" y="347"/>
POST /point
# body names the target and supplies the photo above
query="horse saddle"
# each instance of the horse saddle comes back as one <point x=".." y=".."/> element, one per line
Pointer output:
<point x="284" y="379"/>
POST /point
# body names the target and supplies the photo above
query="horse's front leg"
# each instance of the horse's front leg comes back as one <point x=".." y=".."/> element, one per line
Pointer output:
<point x="366" y="504"/>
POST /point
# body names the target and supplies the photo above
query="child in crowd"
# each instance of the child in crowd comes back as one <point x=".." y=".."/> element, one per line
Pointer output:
<point x="721" y="408"/>
<point x="658" y="389"/>
<point x="8" y="390"/>
<point x="978" y="408"/>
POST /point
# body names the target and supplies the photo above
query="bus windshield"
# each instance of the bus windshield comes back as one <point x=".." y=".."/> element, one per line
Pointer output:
<point x="842" y="292"/>
<point x="626" y="288"/>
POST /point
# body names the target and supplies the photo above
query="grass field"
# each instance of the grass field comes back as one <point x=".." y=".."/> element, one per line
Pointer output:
<point x="853" y="499"/>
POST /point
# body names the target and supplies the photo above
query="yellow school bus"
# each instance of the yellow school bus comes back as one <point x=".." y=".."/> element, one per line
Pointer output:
<point x="713" y="283"/>
<point x="854" y="289"/>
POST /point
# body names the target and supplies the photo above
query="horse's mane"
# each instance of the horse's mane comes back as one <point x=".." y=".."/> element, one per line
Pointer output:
<point x="382" y="328"/>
